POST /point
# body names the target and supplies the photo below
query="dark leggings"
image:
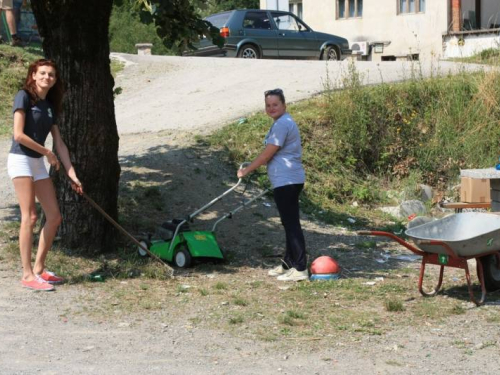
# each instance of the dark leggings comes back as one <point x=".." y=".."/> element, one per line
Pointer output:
<point x="287" y="201"/>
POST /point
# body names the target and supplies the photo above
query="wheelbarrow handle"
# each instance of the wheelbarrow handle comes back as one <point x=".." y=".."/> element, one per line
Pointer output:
<point x="409" y="246"/>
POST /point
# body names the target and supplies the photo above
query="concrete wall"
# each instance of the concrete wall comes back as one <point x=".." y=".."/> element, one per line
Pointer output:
<point x="469" y="44"/>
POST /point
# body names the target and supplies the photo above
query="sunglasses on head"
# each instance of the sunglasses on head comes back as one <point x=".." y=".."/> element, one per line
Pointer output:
<point x="273" y="92"/>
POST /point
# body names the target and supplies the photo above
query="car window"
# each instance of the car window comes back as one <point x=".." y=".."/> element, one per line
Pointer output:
<point x="288" y="22"/>
<point x="256" y="20"/>
<point x="219" y="20"/>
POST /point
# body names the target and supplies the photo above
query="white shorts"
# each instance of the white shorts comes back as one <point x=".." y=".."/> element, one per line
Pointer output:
<point x="24" y="166"/>
<point x="7" y="4"/>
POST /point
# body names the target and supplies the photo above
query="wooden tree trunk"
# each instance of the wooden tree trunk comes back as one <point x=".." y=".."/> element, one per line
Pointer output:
<point x="75" y="35"/>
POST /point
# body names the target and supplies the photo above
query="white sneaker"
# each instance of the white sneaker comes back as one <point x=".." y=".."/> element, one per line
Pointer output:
<point x="277" y="271"/>
<point x="294" y="275"/>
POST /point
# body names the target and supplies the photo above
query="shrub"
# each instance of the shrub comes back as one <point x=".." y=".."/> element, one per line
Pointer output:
<point x="126" y="30"/>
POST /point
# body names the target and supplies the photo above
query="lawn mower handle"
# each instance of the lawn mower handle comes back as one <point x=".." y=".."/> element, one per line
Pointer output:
<point x="208" y="205"/>
<point x="230" y="214"/>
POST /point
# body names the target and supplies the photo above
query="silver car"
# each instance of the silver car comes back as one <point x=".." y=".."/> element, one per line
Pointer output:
<point x="257" y="33"/>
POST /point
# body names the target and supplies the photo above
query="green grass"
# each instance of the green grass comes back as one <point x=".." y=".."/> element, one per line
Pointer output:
<point x="394" y="305"/>
<point x="490" y="56"/>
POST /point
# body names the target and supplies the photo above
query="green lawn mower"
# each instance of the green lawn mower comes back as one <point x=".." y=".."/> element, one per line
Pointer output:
<point x="180" y="245"/>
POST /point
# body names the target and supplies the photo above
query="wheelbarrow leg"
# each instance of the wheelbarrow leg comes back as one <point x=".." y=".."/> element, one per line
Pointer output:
<point x="480" y="276"/>
<point x="421" y="279"/>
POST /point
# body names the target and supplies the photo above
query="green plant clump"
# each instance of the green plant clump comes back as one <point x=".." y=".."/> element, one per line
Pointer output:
<point x="359" y="140"/>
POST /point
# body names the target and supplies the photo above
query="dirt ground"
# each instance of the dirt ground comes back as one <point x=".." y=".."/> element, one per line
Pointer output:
<point x="56" y="333"/>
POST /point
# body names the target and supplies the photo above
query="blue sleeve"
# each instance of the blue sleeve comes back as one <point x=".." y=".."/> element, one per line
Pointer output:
<point x="21" y="101"/>
<point x="278" y="134"/>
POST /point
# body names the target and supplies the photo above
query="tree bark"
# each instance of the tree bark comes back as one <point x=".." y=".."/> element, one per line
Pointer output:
<point x="75" y="35"/>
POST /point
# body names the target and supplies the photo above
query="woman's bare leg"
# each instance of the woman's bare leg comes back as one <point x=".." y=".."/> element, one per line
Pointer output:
<point x="25" y="191"/>
<point x="46" y="195"/>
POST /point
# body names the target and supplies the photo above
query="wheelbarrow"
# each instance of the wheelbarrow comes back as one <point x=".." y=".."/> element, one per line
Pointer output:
<point x="451" y="242"/>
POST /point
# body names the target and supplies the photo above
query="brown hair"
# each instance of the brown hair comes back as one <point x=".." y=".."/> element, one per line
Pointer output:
<point x="55" y="94"/>
<point x="276" y="92"/>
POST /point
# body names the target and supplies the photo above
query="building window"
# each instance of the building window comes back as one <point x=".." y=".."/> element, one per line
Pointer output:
<point x="295" y="7"/>
<point x="299" y="10"/>
<point x="411" y="6"/>
<point x="349" y="8"/>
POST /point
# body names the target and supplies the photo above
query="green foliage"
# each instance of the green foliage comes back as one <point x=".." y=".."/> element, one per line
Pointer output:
<point x="178" y="22"/>
<point x="14" y="64"/>
<point x="216" y="6"/>
<point x="126" y="30"/>
<point x="360" y="140"/>
<point x="170" y="26"/>
<point x="489" y="56"/>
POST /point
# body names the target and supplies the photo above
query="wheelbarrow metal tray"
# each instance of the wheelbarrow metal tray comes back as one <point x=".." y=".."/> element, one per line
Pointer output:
<point x="468" y="234"/>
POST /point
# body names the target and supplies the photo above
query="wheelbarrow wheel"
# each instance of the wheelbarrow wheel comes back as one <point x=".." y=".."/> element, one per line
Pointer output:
<point x="141" y="251"/>
<point x="491" y="272"/>
<point x="183" y="258"/>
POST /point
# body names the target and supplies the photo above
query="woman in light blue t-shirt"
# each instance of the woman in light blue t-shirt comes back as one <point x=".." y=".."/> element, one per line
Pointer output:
<point x="283" y="158"/>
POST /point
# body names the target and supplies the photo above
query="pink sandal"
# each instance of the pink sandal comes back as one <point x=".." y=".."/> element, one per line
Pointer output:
<point x="51" y="277"/>
<point x="37" y="284"/>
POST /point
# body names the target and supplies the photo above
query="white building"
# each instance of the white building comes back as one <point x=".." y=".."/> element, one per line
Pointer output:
<point x="403" y="29"/>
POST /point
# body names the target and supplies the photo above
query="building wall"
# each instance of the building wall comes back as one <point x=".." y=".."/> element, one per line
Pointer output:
<point x="420" y="33"/>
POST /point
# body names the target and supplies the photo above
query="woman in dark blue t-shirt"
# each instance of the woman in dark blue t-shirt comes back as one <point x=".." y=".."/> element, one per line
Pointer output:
<point x="35" y="109"/>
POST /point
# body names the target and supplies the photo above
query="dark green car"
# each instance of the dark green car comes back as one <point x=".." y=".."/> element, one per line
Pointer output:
<point x="256" y="34"/>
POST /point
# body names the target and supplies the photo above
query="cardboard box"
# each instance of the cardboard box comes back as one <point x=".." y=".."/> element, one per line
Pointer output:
<point x="475" y="190"/>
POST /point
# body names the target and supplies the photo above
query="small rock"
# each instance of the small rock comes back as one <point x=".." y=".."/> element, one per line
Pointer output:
<point x="412" y="207"/>
<point x="425" y="192"/>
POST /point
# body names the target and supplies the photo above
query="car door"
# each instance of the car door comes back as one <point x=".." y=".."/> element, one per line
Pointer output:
<point x="295" y="39"/>
<point x="258" y="26"/>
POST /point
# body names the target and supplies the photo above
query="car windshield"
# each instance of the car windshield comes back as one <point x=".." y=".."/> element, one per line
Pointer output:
<point x="219" y="20"/>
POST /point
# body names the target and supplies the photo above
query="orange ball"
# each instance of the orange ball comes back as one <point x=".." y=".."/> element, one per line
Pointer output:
<point x="324" y="264"/>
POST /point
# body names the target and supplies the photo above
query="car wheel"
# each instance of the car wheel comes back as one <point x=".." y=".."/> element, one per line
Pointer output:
<point x="491" y="270"/>
<point x="183" y="258"/>
<point x="248" y="52"/>
<point x="330" y="53"/>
